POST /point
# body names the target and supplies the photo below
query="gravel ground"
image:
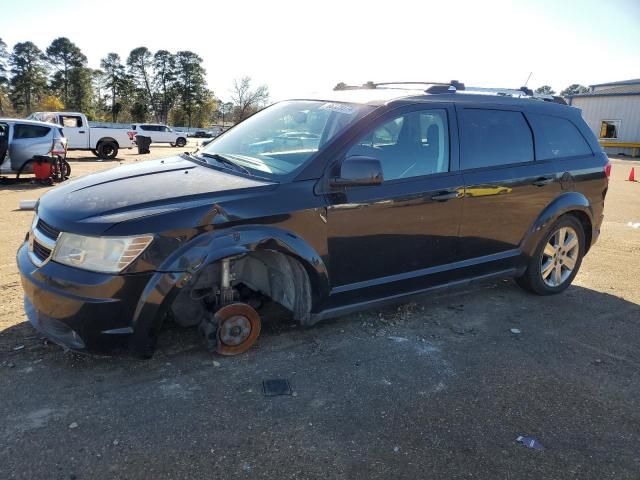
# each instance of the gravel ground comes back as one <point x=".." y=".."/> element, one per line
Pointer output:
<point x="437" y="388"/>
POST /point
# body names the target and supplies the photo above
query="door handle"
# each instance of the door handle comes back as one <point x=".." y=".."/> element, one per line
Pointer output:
<point x="81" y="131"/>
<point x="446" y="195"/>
<point x="542" y="181"/>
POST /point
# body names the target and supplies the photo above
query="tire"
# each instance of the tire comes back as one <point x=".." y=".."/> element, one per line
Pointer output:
<point x="181" y="142"/>
<point x="66" y="168"/>
<point x="107" y="150"/>
<point x="95" y="152"/>
<point x="557" y="258"/>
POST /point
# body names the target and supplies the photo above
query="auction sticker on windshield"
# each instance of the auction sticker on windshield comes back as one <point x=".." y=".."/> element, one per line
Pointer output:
<point x="339" y="108"/>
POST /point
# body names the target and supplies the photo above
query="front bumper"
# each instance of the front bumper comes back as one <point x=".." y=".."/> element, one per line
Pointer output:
<point x="84" y="311"/>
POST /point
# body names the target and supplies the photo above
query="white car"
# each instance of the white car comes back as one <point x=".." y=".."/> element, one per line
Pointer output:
<point x="161" y="134"/>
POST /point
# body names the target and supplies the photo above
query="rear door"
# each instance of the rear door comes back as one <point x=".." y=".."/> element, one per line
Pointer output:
<point x="28" y="140"/>
<point x="391" y="236"/>
<point x="506" y="189"/>
<point x="147" y="131"/>
<point x="76" y="133"/>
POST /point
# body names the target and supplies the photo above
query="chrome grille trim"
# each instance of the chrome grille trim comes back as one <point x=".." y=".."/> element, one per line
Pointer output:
<point x="40" y="242"/>
<point x="42" y="239"/>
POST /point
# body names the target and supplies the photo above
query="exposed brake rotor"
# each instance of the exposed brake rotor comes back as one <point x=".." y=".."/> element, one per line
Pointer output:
<point x="238" y="328"/>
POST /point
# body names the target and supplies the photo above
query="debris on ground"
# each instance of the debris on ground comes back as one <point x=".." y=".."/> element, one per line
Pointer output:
<point x="530" y="442"/>
<point x="73" y="425"/>
<point x="275" y="387"/>
<point x="18" y="347"/>
<point x="398" y="339"/>
<point x="28" y="204"/>
<point x="516" y="331"/>
<point x="216" y="364"/>
<point x="461" y="330"/>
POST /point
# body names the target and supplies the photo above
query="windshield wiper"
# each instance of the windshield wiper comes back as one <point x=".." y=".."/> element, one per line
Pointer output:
<point x="225" y="161"/>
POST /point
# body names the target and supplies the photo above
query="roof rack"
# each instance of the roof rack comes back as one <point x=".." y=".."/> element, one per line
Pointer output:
<point x="435" y="87"/>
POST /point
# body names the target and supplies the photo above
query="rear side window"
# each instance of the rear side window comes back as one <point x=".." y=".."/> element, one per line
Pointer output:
<point x="557" y="137"/>
<point x="71" y="121"/>
<point x="494" y="137"/>
<point x="29" y="131"/>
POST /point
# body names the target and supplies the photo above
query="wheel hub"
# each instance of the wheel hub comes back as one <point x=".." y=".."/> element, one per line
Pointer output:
<point x="235" y="330"/>
<point x="238" y="328"/>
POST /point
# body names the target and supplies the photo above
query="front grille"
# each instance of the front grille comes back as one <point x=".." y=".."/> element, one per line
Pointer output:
<point x="42" y="241"/>
<point x="47" y="230"/>
<point x="41" y="252"/>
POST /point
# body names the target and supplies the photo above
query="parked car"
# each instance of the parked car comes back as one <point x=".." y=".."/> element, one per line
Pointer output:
<point x="201" y="134"/>
<point x="160" y="134"/>
<point x="103" y="142"/>
<point x="22" y="140"/>
<point x="406" y="191"/>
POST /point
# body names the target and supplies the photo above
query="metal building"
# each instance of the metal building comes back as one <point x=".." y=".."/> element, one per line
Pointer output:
<point x="612" y="111"/>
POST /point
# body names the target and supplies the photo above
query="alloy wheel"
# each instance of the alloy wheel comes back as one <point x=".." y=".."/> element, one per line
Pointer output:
<point x="559" y="256"/>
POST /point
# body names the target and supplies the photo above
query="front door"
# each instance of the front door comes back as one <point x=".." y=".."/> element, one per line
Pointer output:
<point x="384" y="236"/>
<point x="75" y="131"/>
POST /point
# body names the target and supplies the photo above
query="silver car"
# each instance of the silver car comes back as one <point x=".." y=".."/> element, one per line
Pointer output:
<point x="21" y="140"/>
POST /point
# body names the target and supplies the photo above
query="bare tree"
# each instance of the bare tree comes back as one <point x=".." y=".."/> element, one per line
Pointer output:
<point x="248" y="101"/>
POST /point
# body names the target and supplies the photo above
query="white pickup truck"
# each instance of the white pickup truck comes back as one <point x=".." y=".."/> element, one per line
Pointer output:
<point x="103" y="142"/>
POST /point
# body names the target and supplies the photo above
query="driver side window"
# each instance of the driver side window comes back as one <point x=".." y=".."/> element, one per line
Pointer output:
<point x="410" y="145"/>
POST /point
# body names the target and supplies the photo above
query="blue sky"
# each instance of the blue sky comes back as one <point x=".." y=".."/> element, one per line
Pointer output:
<point x="306" y="46"/>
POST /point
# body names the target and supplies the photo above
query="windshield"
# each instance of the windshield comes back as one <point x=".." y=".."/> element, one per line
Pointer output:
<point x="281" y="138"/>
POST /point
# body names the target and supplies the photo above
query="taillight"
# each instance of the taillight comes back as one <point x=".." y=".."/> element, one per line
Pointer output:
<point x="58" y="147"/>
<point x="607" y="169"/>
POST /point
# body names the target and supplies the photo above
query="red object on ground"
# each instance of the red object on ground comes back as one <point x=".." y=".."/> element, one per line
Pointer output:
<point x="632" y="175"/>
<point x="41" y="169"/>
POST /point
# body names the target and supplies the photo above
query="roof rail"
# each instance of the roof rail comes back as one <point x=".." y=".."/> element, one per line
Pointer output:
<point x="454" y="86"/>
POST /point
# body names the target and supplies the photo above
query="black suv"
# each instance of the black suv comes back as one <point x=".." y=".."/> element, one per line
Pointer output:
<point x="323" y="206"/>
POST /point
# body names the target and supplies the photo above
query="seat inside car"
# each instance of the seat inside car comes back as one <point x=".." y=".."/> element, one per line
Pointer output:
<point x="4" y="141"/>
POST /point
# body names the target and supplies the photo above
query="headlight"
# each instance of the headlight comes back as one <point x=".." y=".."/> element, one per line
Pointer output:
<point x="99" y="254"/>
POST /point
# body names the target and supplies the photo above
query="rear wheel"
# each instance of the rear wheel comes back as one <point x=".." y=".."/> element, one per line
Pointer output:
<point x="181" y="142"/>
<point x="557" y="258"/>
<point x="107" y="150"/>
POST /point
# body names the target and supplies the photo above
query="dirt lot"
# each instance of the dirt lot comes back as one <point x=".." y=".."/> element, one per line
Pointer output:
<point x="438" y="388"/>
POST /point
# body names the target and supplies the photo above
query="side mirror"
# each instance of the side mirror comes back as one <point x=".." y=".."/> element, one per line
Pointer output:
<point x="358" y="170"/>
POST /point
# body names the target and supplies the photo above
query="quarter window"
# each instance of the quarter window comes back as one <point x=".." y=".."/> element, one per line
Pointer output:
<point x="494" y="137"/>
<point x="557" y="137"/>
<point x="410" y="145"/>
<point x="29" y="131"/>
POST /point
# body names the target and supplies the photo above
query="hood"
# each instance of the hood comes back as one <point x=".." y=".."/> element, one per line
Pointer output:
<point x="135" y="191"/>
